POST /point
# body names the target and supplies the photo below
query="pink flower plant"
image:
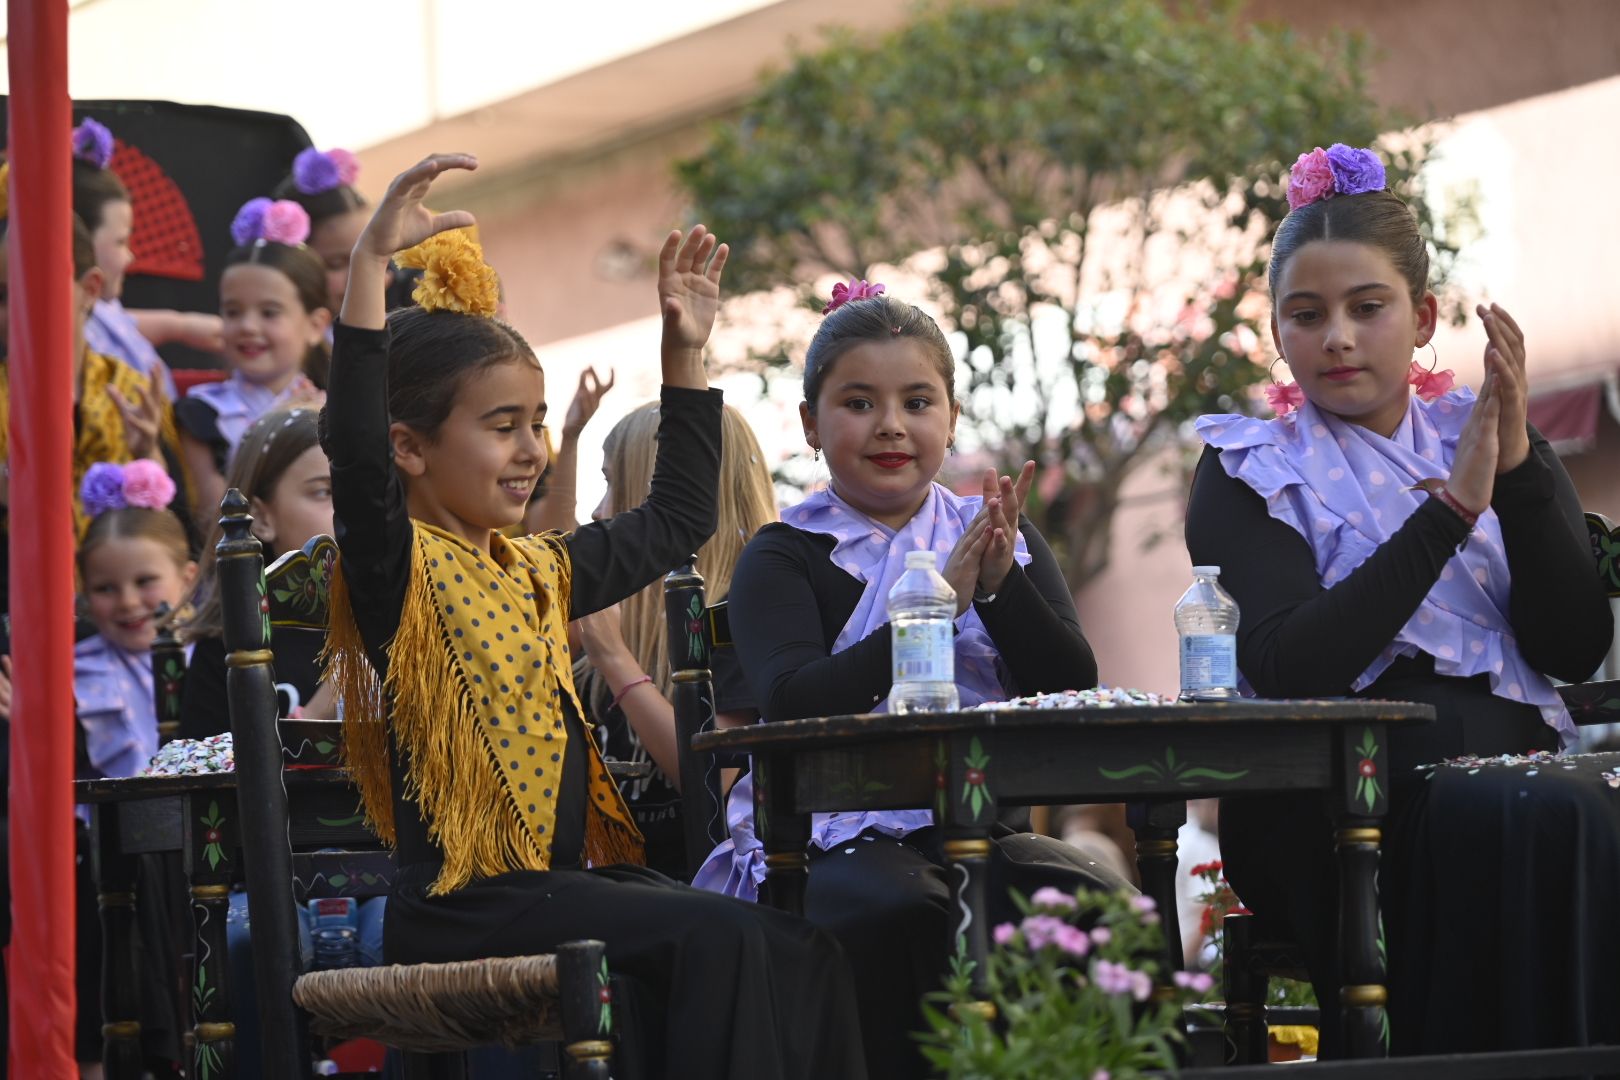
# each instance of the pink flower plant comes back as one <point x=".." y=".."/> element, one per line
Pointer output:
<point x="1197" y="981"/>
<point x="1284" y="398"/>
<point x="857" y="289"/>
<point x="1051" y="897"/>
<point x="1431" y="384"/>
<point x="1041" y="930"/>
<point x="1004" y="933"/>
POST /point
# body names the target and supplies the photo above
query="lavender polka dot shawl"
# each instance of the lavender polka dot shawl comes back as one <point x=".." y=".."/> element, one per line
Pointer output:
<point x="874" y="555"/>
<point x="1346" y="490"/>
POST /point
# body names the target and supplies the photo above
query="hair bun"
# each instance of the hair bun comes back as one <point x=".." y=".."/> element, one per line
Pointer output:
<point x="1339" y="170"/>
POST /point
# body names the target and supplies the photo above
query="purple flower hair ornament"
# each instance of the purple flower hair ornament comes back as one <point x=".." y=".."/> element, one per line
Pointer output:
<point x="1338" y="170"/>
<point x="279" y="221"/>
<point x="140" y="483"/>
<point x="315" y="171"/>
<point x="857" y="289"/>
<point x="93" y="143"/>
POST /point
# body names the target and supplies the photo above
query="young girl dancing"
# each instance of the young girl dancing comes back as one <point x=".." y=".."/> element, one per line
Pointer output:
<point x="1422" y="548"/>
<point x="449" y="654"/>
<point x="273" y="299"/>
<point x="808" y="618"/>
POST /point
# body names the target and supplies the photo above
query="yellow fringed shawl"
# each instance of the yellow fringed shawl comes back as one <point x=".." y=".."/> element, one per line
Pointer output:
<point x="477" y="675"/>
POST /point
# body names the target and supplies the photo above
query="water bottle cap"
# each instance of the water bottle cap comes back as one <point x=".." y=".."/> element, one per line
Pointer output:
<point x="1206" y="571"/>
<point x="921" y="560"/>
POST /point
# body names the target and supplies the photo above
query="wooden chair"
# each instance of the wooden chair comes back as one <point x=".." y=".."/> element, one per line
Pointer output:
<point x="168" y="676"/>
<point x="695" y="633"/>
<point x="424" y="1009"/>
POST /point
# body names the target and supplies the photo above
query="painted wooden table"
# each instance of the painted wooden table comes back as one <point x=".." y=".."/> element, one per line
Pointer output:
<point x="967" y="764"/>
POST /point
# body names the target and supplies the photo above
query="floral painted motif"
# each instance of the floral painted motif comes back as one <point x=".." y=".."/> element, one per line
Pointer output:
<point x="213" y="836"/>
<point x="941" y="764"/>
<point x="694" y="629"/>
<point x="1170" y="770"/>
<point x="1368" y="788"/>
<point x="604" y="994"/>
<point x="974" y="794"/>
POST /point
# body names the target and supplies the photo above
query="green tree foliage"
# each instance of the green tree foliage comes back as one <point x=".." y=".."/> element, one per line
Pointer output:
<point x="1036" y="160"/>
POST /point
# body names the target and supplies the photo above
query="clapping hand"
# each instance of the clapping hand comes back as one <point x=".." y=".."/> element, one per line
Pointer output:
<point x="1474" y="469"/>
<point x="1003" y="503"/>
<point x="1505" y="366"/>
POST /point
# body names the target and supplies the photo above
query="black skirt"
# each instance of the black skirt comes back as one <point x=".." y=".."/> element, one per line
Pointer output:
<point x="1498" y="887"/>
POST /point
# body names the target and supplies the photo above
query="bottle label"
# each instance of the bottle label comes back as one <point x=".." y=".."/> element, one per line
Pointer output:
<point x="924" y="652"/>
<point x="1208" y="661"/>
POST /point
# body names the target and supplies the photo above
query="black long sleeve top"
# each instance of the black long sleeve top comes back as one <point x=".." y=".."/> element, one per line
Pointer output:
<point x="1297" y="638"/>
<point x="611" y="559"/>
<point x="789" y="603"/>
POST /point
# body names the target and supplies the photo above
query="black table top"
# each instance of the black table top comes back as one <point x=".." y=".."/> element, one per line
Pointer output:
<point x="875" y="727"/>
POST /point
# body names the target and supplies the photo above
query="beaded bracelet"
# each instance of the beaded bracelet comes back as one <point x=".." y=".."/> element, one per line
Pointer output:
<point x="1470" y="516"/>
<point x="629" y="686"/>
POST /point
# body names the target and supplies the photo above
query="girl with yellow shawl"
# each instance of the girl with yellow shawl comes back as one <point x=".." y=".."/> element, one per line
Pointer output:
<point x="449" y="650"/>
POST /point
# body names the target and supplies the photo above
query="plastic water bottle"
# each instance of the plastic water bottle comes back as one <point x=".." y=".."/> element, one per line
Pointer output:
<point x="334" y="930"/>
<point x="922" y="614"/>
<point x="1207" y="620"/>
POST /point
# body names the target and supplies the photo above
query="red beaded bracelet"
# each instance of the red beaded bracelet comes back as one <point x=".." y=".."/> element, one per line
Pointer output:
<point x="629" y="686"/>
<point x="1470" y="516"/>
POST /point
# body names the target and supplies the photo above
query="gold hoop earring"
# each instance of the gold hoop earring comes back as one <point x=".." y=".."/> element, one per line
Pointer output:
<point x="1272" y="370"/>
<point x="1435" y="353"/>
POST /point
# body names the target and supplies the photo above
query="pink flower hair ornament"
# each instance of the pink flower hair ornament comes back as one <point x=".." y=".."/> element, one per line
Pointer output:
<point x="262" y="220"/>
<point x="316" y="171"/>
<point x="857" y="289"/>
<point x="142" y="484"/>
<point x="1339" y="170"/>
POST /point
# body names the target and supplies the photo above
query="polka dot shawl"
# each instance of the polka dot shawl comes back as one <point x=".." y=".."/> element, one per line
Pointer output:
<point x="478" y="673"/>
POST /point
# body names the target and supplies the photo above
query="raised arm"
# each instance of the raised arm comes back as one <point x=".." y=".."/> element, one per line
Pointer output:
<point x="616" y="557"/>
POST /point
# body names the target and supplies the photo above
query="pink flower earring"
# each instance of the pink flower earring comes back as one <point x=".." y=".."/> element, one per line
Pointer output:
<point x="1283" y="398"/>
<point x="1430" y="383"/>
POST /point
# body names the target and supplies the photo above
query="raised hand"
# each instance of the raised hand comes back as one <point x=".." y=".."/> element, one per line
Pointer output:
<point x="400" y="220"/>
<point x="142" y="417"/>
<point x="1003" y="502"/>
<point x="587" y="399"/>
<point x="689" y="286"/>
<point x="1474" y="469"/>
<point x="1505" y="363"/>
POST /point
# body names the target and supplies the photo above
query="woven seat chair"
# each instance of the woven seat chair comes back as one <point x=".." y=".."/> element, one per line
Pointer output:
<point x="434" y="1012"/>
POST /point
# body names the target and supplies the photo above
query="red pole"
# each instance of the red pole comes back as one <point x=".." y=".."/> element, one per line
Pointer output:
<point x="40" y="957"/>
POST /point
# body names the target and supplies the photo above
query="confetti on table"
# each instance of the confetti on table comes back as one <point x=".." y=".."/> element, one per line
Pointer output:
<point x="1105" y="697"/>
<point x="193" y="757"/>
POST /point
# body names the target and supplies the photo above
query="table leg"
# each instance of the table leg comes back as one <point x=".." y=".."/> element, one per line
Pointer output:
<point x="114" y="874"/>
<point x="784" y="832"/>
<point x="1360" y="803"/>
<point x="210" y="858"/>
<point x="964" y="811"/>
<point x="1157" y="826"/>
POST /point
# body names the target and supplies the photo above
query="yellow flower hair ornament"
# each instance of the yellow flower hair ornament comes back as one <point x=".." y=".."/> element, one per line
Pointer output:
<point x="455" y="276"/>
<point x="5" y="189"/>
